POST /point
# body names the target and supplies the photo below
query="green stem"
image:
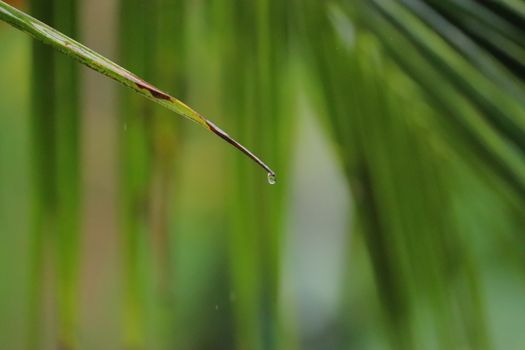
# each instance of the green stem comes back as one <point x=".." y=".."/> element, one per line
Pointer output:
<point x="135" y="178"/>
<point x="67" y="176"/>
<point x="44" y="195"/>
<point x="55" y="138"/>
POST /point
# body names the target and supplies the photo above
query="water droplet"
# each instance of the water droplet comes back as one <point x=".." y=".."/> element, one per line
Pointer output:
<point x="125" y="126"/>
<point x="271" y="179"/>
<point x="216" y="307"/>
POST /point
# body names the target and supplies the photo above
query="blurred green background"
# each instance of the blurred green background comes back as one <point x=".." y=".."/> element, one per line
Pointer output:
<point x="397" y="131"/>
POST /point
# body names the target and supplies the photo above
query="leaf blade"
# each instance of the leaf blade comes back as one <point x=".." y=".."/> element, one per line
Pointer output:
<point x="101" y="64"/>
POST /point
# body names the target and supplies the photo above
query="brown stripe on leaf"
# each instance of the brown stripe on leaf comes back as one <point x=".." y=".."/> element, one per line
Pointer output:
<point x="153" y="90"/>
<point x="223" y="135"/>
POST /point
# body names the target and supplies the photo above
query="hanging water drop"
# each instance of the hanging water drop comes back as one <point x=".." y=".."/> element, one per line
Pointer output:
<point x="223" y="135"/>
<point x="271" y="179"/>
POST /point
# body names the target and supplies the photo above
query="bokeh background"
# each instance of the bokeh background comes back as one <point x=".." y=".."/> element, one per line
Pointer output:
<point x="396" y="128"/>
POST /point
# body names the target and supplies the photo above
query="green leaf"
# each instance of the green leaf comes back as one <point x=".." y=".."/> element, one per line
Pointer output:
<point x="99" y="63"/>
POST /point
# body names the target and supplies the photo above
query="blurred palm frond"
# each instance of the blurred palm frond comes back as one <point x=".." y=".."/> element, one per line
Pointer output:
<point x="425" y="101"/>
